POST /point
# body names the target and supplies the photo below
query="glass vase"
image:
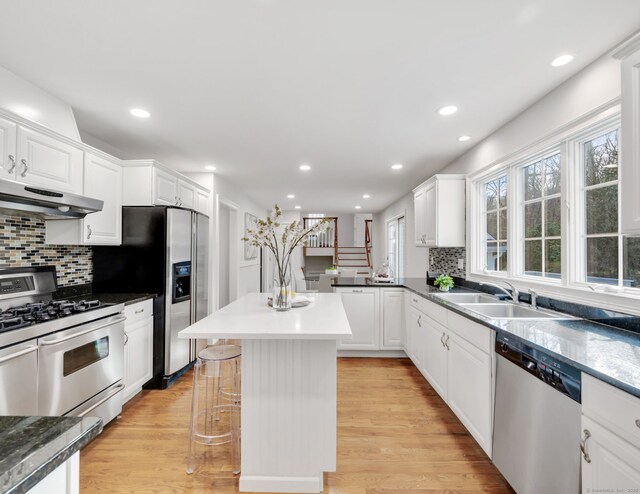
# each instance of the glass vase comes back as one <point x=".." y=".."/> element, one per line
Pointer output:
<point x="282" y="291"/>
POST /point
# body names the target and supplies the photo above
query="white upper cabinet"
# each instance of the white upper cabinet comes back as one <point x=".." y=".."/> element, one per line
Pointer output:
<point x="48" y="162"/>
<point x="439" y="205"/>
<point x="165" y="186"/>
<point x="630" y="139"/>
<point x="186" y="195"/>
<point x="102" y="180"/>
<point x="8" y="163"/>
<point x="148" y="183"/>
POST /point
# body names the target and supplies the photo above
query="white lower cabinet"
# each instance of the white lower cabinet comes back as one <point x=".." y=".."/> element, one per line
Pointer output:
<point x="363" y="313"/>
<point x="138" y="348"/>
<point x="610" y="438"/>
<point x="434" y="366"/>
<point x="414" y="346"/>
<point x="392" y="308"/>
<point x="65" y="479"/>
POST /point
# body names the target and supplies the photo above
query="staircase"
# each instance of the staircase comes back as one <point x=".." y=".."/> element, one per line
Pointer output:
<point x="354" y="258"/>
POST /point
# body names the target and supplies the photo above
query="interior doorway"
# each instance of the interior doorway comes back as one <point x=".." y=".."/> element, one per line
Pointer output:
<point x="227" y="243"/>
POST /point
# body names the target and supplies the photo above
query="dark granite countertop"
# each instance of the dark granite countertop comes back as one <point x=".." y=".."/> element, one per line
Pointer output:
<point x="78" y="292"/>
<point x="603" y="351"/>
<point x="33" y="447"/>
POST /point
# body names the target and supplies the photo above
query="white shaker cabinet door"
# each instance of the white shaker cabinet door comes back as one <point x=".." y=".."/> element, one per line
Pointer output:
<point x="202" y="202"/>
<point x="186" y="195"/>
<point x="431" y="215"/>
<point x="419" y="207"/>
<point x="416" y="336"/>
<point x="434" y="367"/>
<point x="165" y="188"/>
<point x="138" y="356"/>
<point x="49" y="163"/>
<point x="103" y="180"/>
<point x="392" y="319"/>
<point x="361" y="306"/>
<point x="8" y="157"/>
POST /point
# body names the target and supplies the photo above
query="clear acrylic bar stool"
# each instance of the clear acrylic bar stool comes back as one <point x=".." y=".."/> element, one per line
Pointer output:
<point x="215" y="405"/>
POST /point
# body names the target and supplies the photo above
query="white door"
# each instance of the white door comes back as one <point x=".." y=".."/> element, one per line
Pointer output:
<point x="361" y="306"/>
<point x="614" y="464"/>
<point x="165" y="188"/>
<point x="186" y="195"/>
<point x="138" y="367"/>
<point x="469" y="388"/>
<point x="49" y="163"/>
<point x="434" y="367"/>
<point x="8" y="158"/>
<point x="103" y="180"/>
<point x="431" y="212"/>
<point x="392" y="319"/>
<point x="419" y="205"/>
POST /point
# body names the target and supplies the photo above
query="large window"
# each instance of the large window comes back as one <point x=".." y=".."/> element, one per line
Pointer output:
<point x="552" y="215"/>
<point x="541" y="211"/>
<point x="396" y="233"/>
<point x="495" y="221"/>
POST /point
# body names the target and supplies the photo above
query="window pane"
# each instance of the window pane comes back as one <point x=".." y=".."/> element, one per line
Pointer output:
<point x="491" y="193"/>
<point x="503" y="192"/>
<point x="503" y="225"/>
<point x="602" y="260"/>
<point x="533" y="220"/>
<point x="401" y="248"/>
<point x="533" y="257"/>
<point x="553" y="257"/>
<point x="502" y="256"/>
<point x="533" y="181"/>
<point x="602" y="210"/>
<point x="601" y="159"/>
<point x="631" y="262"/>
<point x="492" y="226"/>
<point x="552" y="175"/>
<point x="553" y="221"/>
<point x="492" y="256"/>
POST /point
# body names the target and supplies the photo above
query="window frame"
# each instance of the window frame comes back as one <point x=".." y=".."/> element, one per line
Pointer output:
<point x="396" y="219"/>
<point x="567" y="140"/>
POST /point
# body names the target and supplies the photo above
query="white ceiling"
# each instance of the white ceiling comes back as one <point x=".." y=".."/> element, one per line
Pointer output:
<point x="350" y="86"/>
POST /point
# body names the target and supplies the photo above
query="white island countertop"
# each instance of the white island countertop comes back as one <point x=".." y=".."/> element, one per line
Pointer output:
<point x="250" y="317"/>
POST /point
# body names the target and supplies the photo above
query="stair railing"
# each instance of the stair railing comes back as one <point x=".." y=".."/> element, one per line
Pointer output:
<point x="367" y="240"/>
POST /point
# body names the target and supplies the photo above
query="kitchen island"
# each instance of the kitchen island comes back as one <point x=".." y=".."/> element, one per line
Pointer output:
<point x="288" y="388"/>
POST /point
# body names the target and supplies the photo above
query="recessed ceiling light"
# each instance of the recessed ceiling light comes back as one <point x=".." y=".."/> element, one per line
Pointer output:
<point x="140" y="113"/>
<point x="291" y="196"/>
<point x="297" y="207"/>
<point x="396" y="166"/>
<point x="448" y="110"/>
<point x="358" y="207"/>
<point x="561" y="60"/>
<point x="366" y="196"/>
<point x="211" y="168"/>
<point x="305" y="167"/>
<point x="464" y="138"/>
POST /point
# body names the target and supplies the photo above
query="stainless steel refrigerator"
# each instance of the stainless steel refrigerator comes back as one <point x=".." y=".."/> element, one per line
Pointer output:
<point x="165" y="250"/>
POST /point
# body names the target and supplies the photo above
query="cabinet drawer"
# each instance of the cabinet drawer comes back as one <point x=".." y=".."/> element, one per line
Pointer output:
<point x="615" y="409"/>
<point x="434" y="311"/>
<point x="474" y="333"/>
<point x="136" y="312"/>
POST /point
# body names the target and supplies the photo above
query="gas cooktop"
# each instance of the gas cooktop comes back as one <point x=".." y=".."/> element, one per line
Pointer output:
<point x="40" y="312"/>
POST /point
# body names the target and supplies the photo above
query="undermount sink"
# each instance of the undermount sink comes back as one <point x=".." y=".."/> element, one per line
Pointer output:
<point x="468" y="298"/>
<point x="511" y="311"/>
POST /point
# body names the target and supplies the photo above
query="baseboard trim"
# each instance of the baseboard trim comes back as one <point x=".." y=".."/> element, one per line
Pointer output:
<point x="373" y="353"/>
<point x="258" y="483"/>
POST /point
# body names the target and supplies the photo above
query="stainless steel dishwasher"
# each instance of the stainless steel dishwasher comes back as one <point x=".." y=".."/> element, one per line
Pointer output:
<point x="536" y="435"/>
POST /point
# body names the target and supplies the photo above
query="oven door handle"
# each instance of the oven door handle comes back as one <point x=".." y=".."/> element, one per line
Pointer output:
<point x="116" y="390"/>
<point x="19" y="353"/>
<point x="75" y="335"/>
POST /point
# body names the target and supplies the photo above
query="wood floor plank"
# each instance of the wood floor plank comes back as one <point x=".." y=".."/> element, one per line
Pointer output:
<point x="395" y="436"/>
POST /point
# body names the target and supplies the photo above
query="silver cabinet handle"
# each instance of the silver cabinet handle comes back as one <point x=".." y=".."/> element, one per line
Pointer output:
<point x="638" y="422"/>
<point x="140" y="311"/>
<point x="442" y="339"/>
<point x="583" y="446"/>
<point x="26" y="167"/>
<point x="116" y="390"/>
<point x="446" y="343"/>
<point x="420" y="321"/>
<point x="18" y="354"/>
<point x="126" y="338"/>
<point x="12" y="159"/>
<point x="177" y="200"/>
<point x="356" y="291"/>
<point x="89" y="232"/>
<point x="80" y="333"/>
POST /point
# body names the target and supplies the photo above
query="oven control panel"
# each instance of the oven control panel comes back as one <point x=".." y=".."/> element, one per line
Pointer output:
<point x="16" y="284"/>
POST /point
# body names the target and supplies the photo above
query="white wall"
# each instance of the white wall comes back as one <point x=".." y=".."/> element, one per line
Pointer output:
<point x="29" y="101"/>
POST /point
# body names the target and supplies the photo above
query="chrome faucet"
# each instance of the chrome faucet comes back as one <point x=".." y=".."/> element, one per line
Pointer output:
<point x="534" y="298"/>
<point x="514" y="295"/>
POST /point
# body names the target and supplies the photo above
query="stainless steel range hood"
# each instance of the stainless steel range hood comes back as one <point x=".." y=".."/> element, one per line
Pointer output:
<point x="53" y="205"/>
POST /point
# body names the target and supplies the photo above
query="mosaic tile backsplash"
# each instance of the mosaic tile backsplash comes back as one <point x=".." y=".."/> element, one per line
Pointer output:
<point x="22" y="245"/>
<point x="445" y="260"/>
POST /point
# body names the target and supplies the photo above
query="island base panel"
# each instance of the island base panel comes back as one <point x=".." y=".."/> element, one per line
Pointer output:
<point x="288" y="414"/>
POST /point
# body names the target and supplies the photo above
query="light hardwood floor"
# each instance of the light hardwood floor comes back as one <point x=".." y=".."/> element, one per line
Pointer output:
<point x="395" y="435"/>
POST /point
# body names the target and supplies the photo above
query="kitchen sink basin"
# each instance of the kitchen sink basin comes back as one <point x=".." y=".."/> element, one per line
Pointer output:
<point x="468" y="298"/>
<point x="512" y="311"/>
